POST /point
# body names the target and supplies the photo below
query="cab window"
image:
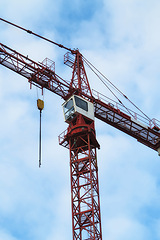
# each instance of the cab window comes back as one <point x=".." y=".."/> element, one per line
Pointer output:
<point x="68" y="109"/>
<point x="81" y="103"/>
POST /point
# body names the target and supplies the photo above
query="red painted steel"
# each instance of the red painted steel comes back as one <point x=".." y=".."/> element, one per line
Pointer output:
<point x="81" y="140"/>
<point x="43" y="77"/>
<point x="79" y="79"/>
<point x="82" y="143"/>
<point x="38" y="74"/>
<point x="80" y="136"/>
<point x="125" y="123"/>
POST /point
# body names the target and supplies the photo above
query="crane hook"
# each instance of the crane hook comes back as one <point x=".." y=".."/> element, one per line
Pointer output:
<point x="40" y="105"/>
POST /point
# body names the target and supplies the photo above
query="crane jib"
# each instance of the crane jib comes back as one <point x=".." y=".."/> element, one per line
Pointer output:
<point x="80" y="108"/>
<point x="127" y="124"/>
<point x="43" y="77"/>
<point x="36" y="73"/>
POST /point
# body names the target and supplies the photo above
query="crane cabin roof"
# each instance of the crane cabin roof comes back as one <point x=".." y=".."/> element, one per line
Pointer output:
<point x="77" y="105"/>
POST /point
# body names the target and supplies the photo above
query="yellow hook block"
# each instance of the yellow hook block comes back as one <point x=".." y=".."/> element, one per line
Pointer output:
<point x="40" y="104"/>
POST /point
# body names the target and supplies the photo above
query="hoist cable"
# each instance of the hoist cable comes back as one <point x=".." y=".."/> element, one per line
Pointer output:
<point x="104" y="76"/>
<point x="40" y="105"/>
<point x="89" y="64"/>
<point x="106" y="79"/>
<point x="40" y="141"/>
<point x="109" y="89"/>
<point x="37" y="35"/>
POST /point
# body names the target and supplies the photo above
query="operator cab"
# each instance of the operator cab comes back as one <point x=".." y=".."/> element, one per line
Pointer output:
<point x="75" y="105"/>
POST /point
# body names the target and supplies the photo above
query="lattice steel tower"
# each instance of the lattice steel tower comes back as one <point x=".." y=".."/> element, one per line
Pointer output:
<point x="80" y="138"/>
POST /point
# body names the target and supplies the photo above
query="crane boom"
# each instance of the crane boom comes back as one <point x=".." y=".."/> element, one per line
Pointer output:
<point x="37" y="74"/>
<point x="127" y="124"/>
<point x="80" y="107"/>
<point x="43" y="77"/>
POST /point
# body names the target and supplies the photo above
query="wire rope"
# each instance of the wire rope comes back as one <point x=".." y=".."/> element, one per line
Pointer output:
<point x="91" y="66"/>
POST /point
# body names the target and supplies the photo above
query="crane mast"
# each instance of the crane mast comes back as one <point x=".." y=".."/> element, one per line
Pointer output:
<point x="80" y="138"/>
<point x="80" y="109"/>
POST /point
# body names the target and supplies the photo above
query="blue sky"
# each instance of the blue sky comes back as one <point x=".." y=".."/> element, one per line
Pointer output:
<point x="121" y="38"/>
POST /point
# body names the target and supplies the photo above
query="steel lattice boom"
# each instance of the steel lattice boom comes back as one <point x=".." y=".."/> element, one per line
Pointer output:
<point x="44" y="77"/>
<point x="38" y="74"/>
<point x="118" y="119"/>
<point x="80" y="136"/>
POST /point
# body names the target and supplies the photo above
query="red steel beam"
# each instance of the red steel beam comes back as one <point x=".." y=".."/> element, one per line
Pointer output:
<point x="43" y="77"/>
<point x="86" y="218"/>
<point x="127" y="124"/>
<point x="36" y="73"/>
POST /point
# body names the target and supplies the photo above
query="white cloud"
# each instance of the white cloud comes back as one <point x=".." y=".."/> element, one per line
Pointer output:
<point x="26" y="12"/>
<point x="124" y="228"/>
<point x="122" y="40"/>
<point x="6" y="236"/>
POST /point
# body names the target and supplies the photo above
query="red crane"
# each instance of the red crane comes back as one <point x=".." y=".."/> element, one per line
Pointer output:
<point x="80" y="108"/>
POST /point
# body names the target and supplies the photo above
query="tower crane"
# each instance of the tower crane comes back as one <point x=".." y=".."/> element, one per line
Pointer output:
<point x="81" y="106"/>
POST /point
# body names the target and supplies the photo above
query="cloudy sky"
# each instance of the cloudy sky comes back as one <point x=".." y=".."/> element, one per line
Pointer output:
<point x="121" y="38"/>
